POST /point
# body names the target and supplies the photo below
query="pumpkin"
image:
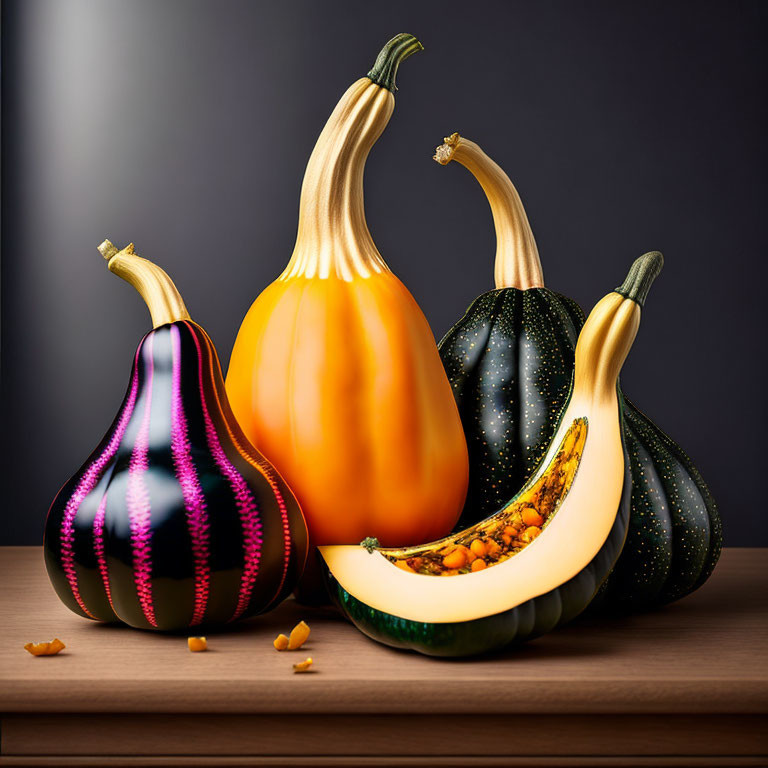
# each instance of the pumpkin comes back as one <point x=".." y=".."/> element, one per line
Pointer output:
<point x="335" y="375"/>
<point x="538" y="561"/>
<point x="175" y="520"/>
<point x="510" y="359"/>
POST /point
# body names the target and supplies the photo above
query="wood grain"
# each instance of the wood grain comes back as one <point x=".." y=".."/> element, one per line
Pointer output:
<point x="706" y="654"/>
<point x="470" y="736"/>
<point x="686" y="685"/>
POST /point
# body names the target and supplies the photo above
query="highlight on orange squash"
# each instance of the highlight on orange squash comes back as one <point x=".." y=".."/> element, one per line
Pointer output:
<point x="335" y="374"/>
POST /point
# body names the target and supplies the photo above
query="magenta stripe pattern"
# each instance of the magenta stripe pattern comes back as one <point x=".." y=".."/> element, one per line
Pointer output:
<point x="266" y="469"/>
<point x="98" y="546"/>
<point x="137" y="500"/>
<point x="269" y="474"/>
<point x="286" y="532"/>
<point x="194" y="498"/>
<point x="246" y="504"/>
<point x="87" y="483"/>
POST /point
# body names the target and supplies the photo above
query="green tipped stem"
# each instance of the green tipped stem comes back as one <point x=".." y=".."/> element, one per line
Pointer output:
<point x="397" y="50"/>
<point x="641" y="276"/>
<point x="370" y="543"/>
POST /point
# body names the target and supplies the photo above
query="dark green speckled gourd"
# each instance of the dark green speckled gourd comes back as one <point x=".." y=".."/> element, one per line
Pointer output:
<point x="510" y="362"/>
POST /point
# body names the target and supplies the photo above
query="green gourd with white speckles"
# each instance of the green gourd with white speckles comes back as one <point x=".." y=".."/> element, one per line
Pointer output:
<point x="510" y="362"/>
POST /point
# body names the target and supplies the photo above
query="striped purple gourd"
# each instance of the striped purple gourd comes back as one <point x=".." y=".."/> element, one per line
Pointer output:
<point x="175" y="520"/>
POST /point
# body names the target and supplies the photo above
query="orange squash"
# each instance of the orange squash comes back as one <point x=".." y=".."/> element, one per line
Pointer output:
<point x="335" y="374"/>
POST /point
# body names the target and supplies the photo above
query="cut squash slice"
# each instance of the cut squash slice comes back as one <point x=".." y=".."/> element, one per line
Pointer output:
<point x="431" y="599"/>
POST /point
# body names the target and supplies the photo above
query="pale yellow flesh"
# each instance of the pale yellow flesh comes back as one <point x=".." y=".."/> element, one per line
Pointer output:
<point x="573" y="536"/>
<point x="501" y="535"/>
<point x="549" y="561"/>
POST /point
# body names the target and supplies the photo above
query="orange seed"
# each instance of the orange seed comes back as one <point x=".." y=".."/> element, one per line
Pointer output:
<point x="457" y="559"/>
<point x="492" y="546"/>
<point x="196" y="644"/>
<point x="531" y="517"/>
<point x="303" y="666"/>
<point x="478" y="547"/>
<point x="280" y="642"/>
<point x="45" y="649"/>
<point x="299" y="635"/>
<point x="530" y="533"/>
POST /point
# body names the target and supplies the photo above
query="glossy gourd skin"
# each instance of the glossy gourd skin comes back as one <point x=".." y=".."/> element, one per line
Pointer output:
<point x="508" y="411"/>
<point x="579" y="494"/>
<point x="525" y="622"/>
<point x="508" y="360"/>
<point x="174" y="520"/>
<point x="491" y="633"/>
<point x="335" y="375"/>
<point x="675" y="535"/>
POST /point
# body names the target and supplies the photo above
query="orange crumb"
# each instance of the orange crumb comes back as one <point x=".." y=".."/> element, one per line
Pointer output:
<point x="197" y="644"/>
<point x="45" y="649"/>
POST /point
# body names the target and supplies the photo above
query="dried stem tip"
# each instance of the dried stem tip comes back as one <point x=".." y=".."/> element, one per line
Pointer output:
<point x="444" y="153"/>
<point x="641" y="276"/>
<point x="107" y="249"/>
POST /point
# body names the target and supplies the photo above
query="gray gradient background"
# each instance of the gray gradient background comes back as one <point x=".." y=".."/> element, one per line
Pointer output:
<point x="185" y="127"/>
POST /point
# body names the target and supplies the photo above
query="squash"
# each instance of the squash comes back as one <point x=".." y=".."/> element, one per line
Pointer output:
<point x="174" y="520"/>
<point x="675" y="534"/>
<point x="335" y="375"/>
<point x="538" y="561"/>
<point x="509" y="360"/>
<point x="510" y="357"/>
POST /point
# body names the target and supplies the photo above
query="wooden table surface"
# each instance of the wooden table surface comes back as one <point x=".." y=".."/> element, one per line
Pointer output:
<point x="686" y="685"/>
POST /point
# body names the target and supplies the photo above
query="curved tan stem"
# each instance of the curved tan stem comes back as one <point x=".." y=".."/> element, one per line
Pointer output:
<point x="517" y="257"/>
<point x="603" y="345"/>
<point x="611" y="327"/>
<point x="152" y="283"/>
<point x="333" y="236"/>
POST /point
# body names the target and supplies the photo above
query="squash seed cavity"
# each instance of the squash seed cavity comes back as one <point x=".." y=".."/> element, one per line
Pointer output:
<point x="510" y="530"/>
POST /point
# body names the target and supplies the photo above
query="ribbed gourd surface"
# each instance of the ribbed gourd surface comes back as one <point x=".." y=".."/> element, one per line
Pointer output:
<point x="510" y="361"/>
